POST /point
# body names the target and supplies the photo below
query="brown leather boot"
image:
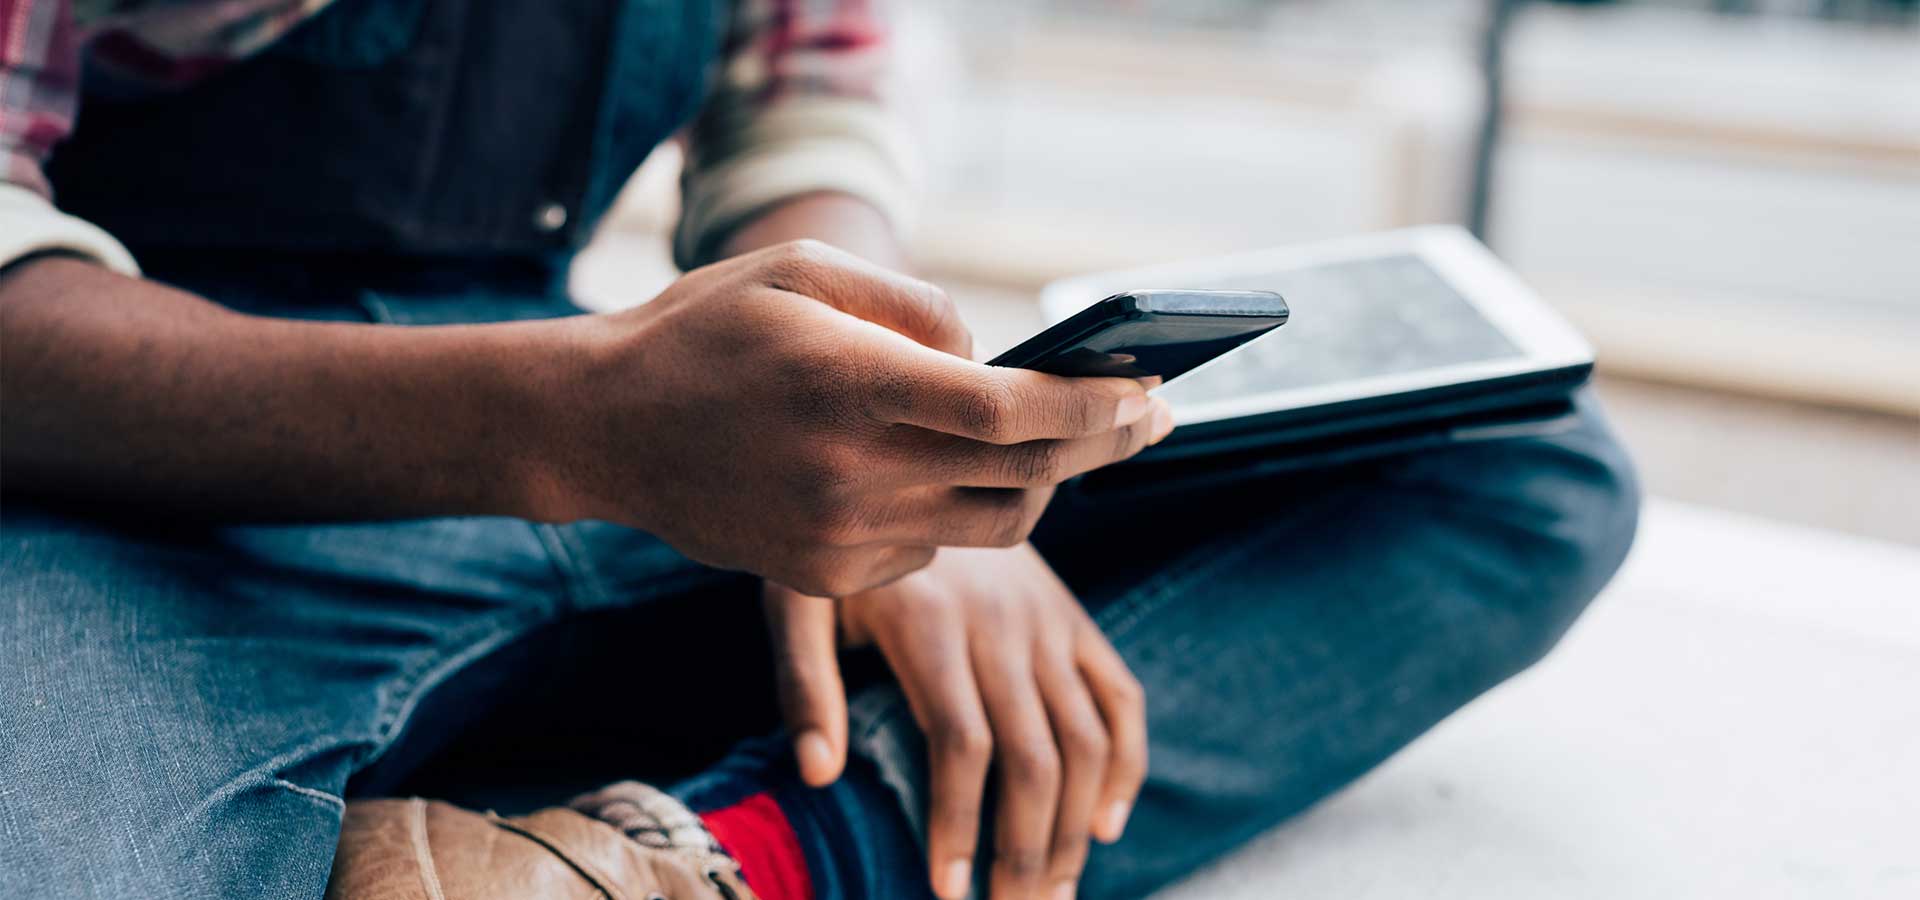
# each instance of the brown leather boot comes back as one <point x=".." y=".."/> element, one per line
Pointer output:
<point x="427" y="850"/>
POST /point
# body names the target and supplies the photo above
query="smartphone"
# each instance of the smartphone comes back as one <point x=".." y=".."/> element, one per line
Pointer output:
<point x="1143" y="333"/>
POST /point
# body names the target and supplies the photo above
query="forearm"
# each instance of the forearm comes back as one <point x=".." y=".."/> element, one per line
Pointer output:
<point x="842" y="220"/>
<point x="124" y="390"/>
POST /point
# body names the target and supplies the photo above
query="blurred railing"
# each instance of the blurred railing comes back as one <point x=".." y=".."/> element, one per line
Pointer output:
<point x="1720" y="197"/>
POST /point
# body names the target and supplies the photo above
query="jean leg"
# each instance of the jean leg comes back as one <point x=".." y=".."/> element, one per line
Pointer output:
<point x="1292" y="636"/>
<point x="183" y="705"/>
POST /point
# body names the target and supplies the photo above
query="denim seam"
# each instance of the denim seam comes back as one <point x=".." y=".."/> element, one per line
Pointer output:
<point x="588" y="586"/>
<point x="564" y="558"/>
<point x="324" y="798"/>
<point x="266" y="774"/>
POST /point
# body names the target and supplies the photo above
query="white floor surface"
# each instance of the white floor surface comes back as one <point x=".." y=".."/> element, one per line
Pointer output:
<point x="1737" y="716"/>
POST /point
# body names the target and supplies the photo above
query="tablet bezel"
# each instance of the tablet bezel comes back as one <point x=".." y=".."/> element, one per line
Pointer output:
<point x="1546" y="340"/>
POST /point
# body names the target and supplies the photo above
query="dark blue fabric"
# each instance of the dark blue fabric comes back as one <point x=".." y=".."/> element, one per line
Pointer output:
<point x="423" y="129"/>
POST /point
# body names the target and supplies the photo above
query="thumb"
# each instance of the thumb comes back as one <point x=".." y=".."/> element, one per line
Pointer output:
<point x="813" y="700"/>
<point x="866" y="290"/>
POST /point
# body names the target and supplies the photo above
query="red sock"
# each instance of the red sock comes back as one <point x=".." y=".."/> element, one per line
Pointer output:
<point x="757" y="835"/>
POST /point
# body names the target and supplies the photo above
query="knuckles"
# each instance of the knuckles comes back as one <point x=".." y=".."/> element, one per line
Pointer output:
<point x="970" y="743"/>
<point x="939" y="317"/>
<point x="1033" y="764"/>
<point x="1085" y="742"/>
<point x="793" y="260"/>
<point x="1022" y="862"/>
<point x="1129" y="694"/>
<point x="1038" y="463"/>
<point x="923" y="308"/>
<point x="987" y="411"/>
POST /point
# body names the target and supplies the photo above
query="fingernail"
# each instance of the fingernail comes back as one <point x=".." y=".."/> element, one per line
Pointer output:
<point x="814" y="753"/>
<point x="1114" y="821"/>
<point x="954" y="879"/>
<point x="1162" y="422"/>
<point x="1131" y="409"/>
<point x="1064" y="891"/>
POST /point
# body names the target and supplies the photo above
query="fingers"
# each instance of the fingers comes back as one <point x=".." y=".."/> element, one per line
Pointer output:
<point x="1029" y="773"/>
<point x="1040" y="463"/>
<point x="994" y="404"/>
<point x="813" y="699"/>
<point x="937" y="676"/>
<point x="962" y="517"/>
<point x="1123" y="708"/>
<point x="950" y="393"/>
<point x="864" y="290"/>
<point x="1081" y="735"/>
<point x="965" y="493"/>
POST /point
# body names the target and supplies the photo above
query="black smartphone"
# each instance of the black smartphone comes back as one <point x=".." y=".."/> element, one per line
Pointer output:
<point x="1142" y="333"/>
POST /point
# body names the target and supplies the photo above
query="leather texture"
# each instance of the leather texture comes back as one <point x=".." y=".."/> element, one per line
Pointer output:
<point x="415" y="849"/>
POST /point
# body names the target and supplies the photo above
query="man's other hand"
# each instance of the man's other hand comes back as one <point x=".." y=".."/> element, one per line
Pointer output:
<point x="1001" y="667"/>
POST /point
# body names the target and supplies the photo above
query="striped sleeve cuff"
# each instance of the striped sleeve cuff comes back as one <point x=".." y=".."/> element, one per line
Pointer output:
<point x="29" y="225"/>
<point x="802" y="145"/>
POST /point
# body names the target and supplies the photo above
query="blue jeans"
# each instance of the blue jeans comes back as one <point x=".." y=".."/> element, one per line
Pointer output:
<point x="184" y="706"/>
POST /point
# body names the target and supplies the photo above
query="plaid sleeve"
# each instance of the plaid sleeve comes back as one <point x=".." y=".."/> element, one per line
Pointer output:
<point x="39" y="92"/>
<point x="797" y="109"/>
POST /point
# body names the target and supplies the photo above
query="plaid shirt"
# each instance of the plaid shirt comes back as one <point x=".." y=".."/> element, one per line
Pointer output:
<point x="796" y="107"/>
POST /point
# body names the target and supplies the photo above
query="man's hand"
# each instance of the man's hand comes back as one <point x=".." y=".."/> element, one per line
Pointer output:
<point x="1000" y="665"/>
<point x="814" y="418"/>
<point x="795" y="412"/>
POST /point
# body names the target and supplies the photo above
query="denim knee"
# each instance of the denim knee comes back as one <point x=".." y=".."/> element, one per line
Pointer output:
<point x="1568" y="507"/>
<point x="126" y="772"/>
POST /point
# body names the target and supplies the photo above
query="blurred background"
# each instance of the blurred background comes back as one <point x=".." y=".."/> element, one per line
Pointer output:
<point x="1723" y="194"/>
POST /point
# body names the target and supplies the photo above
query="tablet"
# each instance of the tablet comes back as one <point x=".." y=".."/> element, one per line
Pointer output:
<point x="1388" y="330"/>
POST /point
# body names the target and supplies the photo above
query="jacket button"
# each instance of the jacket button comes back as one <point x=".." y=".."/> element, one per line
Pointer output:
<point x="550" y="218"/>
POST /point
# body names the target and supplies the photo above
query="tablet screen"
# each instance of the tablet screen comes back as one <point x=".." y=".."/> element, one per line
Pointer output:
<point x="1352" y="320"/>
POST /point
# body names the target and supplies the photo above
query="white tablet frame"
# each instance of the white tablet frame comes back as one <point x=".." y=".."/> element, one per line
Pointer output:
<point x="1546" y="340"/>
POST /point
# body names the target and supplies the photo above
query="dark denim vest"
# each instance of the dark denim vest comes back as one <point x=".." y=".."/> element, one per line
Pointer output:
<point x="468" y="128"/>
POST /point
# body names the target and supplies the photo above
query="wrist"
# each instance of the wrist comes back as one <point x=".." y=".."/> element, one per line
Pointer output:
<point x="541" y="383"/>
